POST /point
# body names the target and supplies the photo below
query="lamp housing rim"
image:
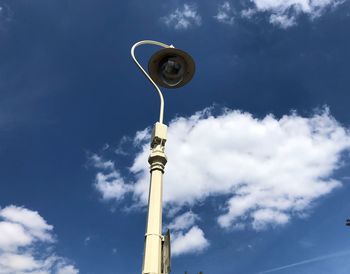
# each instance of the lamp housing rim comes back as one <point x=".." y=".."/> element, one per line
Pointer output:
<point x="157" y="58"/>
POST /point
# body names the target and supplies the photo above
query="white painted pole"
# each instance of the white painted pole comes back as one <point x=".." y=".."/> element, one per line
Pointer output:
<point x="153" y="238"/>
<point x="152" y="258"/>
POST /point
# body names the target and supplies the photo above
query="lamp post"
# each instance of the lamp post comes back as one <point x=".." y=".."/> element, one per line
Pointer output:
<point x="170" y="68"/>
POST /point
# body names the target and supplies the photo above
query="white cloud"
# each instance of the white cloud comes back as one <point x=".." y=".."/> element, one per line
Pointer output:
<point x="265" y="171"/>
<point x="13" y="236"/>
<point x="183" y="18"/>
<point x="25" y="239"/>
<point x="141" y="135"/>
<point x="111" y="185"/>
<point x="282" y="165"/>
<point x="186" y="237"/>
<point x="283" y="20"/>
<point x="225" y="13"/>
<point x="264" y="216"/>
<point x="184" y="221"/>
<point x="29" y="219"/>
<point x="285" y="12"/>
<point x="98" y="162"/>
<point x="108" y="180"/>
<point x="15" y="263"/>
<point x="68" y="269"/>
<point x="191" y="242"/>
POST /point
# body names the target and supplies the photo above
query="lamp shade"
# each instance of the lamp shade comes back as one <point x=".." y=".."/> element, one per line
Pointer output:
<point x="171" y="68"/>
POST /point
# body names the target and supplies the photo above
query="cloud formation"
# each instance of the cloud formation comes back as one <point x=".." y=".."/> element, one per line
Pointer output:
<point x="263" y="171"/>
<point x="183" y="18"/>
<point x="225" y="13"/>
<point x="191" y="242"/>
<point x="281" y="13"/>
<point x="25" y="239"/>
<point x="108" y="180"/>
<point x="285" y="13"/>
<point x="184" y="221"/>
<point x="186" y="237"/>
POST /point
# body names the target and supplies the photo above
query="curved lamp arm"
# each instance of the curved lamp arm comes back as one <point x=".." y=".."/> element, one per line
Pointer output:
<point x="151" y="42"/>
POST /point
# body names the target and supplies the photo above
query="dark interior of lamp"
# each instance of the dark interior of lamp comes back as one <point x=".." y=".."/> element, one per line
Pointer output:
<point x="172" y="70"/>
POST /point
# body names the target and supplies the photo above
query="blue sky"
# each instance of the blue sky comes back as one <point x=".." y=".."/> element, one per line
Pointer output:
<point x="258" y="173"/>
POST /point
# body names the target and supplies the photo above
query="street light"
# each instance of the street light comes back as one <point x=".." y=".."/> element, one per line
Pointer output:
<point x="348" y="222"/>
<point x="169" y="68"/>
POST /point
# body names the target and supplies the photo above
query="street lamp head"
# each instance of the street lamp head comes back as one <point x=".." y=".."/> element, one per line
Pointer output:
<point x="171" y="68"/>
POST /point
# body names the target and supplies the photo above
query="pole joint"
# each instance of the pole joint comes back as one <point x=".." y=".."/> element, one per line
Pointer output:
<point x="156" y="235"/>
<point x="157" y="158"/>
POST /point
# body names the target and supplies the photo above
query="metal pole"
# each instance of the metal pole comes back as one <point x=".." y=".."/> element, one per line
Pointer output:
<point x="153" y="239"/>
<point x="151" y="42"/>
<point x="152" y="260"/>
